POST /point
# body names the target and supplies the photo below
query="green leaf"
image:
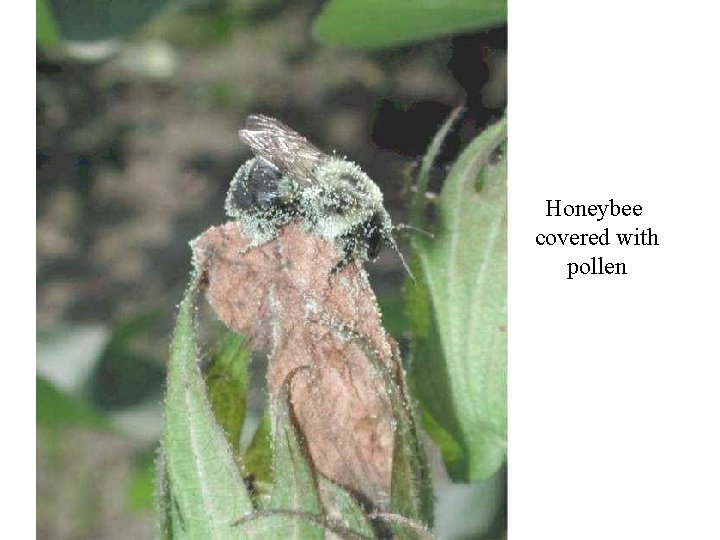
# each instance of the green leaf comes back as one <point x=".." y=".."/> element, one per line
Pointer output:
<point x="281" y="525"/>
<point x="373" y="24"/>
<point x="458" y="312"/>
<point x="258" y="457"/>
<point x="203" y="476"/>
<point x="295" y="486"/>
<point x="354" y="518"/>
<point x="227" y="382"/>
<point x="46" y="32"/>
<point x="53" y="409"/>
<point x="163" y="499"/>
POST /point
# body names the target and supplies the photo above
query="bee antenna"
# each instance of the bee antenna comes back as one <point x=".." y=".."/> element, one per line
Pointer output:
<point x="394" y="247"/>
<point x="403" y="227"/>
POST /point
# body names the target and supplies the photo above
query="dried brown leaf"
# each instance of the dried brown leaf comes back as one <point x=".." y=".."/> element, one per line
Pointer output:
<point x="282" y="296"/>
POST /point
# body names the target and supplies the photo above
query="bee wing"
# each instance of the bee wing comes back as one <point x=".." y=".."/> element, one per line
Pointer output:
<point x="282" y="146"/>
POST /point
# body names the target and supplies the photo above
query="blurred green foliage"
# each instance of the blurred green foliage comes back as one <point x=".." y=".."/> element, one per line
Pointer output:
<point x="45" y="28"/>
<point x="142" y="485"/>
<point x="375" y="24"/>
<point x="56" y="410"/>
<point x="124" y="376"/>
<point x="392" y="307"/>
<point x="93" y="20"/>
<point x="195" y="28"/>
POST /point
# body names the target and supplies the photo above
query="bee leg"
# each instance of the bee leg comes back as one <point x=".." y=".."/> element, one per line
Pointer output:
<point x="348" y="249"/>
<point x="402" y="227"/>
<point x="341" y="264"/>
<point x="390" y="241"/>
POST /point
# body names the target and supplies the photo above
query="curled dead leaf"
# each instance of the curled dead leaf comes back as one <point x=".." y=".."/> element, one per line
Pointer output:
<point x="283" y="297"/>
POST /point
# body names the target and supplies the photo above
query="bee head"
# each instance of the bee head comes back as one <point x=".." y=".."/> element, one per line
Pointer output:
<point x="379" y="232"/>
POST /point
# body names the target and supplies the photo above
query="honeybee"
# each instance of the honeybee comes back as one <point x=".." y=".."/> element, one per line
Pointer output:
<point x="291" y="179"/>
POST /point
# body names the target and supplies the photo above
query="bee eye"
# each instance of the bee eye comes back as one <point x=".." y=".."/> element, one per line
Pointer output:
<point x="374" y="242"/>
<point x="373" y="235"/>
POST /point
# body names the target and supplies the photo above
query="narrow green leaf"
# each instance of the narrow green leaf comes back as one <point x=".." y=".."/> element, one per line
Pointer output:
<point x="418" y="202"/>
<point x="435" y="399"/>
<point x="204" y="479"/>
<point x="46" y="32"/>
<point x="410" y="487"/>
<point x="410" y="490"/>
<point x="373" y="24"/>
<point x="354" y="517"/>
<point x="258" y="459"/>
<point x="295" y="486"/>
<point x="452" y="452"/>
<point x="227" y="383"/>
<point x="458" y="312"/>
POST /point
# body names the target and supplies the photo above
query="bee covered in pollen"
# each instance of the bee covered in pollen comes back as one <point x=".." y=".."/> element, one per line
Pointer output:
<point x="291" y="179"/>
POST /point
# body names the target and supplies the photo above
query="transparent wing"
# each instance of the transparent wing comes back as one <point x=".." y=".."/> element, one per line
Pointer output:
<point x="282" y="146"/>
